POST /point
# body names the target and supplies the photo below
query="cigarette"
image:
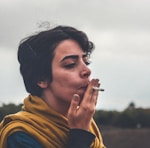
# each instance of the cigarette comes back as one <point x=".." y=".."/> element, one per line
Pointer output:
<point x="97" y="88"/>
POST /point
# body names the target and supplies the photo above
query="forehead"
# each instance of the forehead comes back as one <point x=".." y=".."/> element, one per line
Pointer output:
<point x="68" y="47"/>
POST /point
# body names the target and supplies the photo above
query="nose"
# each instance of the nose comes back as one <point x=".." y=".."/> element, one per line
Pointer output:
<point x="85" y="72"/>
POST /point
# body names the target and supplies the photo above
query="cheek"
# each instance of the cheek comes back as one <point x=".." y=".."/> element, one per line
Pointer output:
<point x="63" y="88"/>
<point x="65" y="85"/>
<point x="64" y="80"/>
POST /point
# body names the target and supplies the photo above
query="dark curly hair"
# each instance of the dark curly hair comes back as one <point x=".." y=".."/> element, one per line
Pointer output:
<point x="35" y="54"/>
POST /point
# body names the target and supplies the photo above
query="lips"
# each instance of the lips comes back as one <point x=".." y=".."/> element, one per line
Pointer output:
<point x="83" y="88"/>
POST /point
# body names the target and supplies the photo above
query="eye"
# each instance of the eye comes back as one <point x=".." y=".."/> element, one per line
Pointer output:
<point x="87" y="62"/>
<point x="69" y="66"/>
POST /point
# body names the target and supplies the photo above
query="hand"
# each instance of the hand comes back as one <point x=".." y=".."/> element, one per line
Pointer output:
<point x="80" y="113"/>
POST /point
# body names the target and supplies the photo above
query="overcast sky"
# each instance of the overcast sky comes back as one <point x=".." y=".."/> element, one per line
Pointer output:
<point x="119" y="29"/>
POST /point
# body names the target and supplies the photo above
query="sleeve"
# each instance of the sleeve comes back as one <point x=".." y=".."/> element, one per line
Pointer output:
<point x="22" y="140"/>
<point x="79" y="138"/>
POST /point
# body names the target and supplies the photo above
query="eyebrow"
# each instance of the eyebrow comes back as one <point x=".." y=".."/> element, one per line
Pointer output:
<point x="73" y="57"/>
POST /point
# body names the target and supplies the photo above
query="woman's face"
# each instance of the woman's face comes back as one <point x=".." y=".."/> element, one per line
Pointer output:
<point x="70" y="73"/>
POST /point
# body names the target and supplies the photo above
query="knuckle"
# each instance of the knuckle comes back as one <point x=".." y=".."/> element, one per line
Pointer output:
<point x="88" y="108"/>
<point x="69" y="114"/>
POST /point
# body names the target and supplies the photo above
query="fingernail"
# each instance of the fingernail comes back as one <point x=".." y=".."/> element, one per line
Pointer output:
<point x="75" y="96"/>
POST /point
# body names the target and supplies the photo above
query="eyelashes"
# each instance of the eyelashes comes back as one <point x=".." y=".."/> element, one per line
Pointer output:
<point x="88" y="62"/>
<point x="74" y="64"/>
<point x="69" y="66"/>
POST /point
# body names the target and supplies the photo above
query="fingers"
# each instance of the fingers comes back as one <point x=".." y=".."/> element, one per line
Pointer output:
<point x="91" y="95"/>
<point x="78" y="116"/>
<point x="74" y="104"/>
<point x="95" y="96"/>
<point x="80" y="112"/>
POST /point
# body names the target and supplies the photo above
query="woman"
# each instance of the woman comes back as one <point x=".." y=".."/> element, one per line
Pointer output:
<point x="58" y="112"/>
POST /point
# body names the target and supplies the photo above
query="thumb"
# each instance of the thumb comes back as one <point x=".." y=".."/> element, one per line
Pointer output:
<point x="74" y="103"/>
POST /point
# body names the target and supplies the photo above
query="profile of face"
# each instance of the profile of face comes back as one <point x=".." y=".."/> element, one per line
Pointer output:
<point x="70" y="73"/>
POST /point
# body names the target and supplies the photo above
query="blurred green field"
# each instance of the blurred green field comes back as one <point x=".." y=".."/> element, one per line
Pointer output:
<point x="126" y="138"/>
<point x="134" y="123"/>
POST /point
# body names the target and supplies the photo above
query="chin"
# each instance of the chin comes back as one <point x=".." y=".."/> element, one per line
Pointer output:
<point x="81" y="92"/>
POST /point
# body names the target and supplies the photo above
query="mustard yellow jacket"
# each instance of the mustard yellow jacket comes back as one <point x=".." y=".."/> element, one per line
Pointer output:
<point x="46" y="125"/>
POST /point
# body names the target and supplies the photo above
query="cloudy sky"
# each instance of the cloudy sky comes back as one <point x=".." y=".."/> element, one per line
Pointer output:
<point x="119" y="29"/>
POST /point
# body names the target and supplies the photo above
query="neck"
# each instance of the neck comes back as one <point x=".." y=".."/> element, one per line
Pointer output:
<point x="55" y="103"/>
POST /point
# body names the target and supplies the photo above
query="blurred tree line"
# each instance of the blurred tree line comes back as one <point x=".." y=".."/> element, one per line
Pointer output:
<point x="131" y="117"/>
<point x="7" y="109"/>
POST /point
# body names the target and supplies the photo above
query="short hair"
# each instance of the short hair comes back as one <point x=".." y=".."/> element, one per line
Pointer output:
<point x="36" y="52"/>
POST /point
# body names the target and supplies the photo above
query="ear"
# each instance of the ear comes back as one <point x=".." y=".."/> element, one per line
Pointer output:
<point x="42" y="84"/>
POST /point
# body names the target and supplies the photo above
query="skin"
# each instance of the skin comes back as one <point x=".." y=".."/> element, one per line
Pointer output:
<point x="70" y="92"/>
